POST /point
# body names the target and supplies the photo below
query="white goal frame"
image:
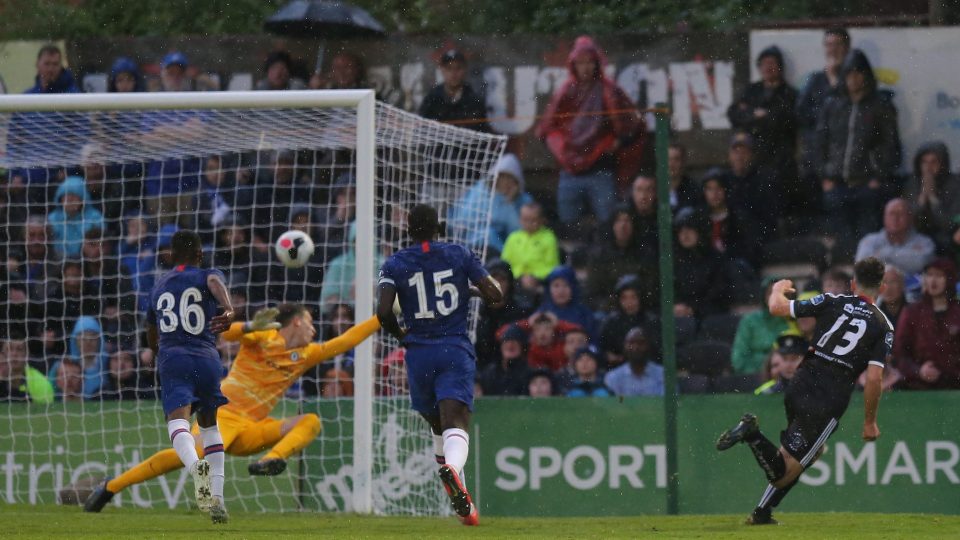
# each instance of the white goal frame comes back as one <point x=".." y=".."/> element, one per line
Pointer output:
<point x="365" y="103"/>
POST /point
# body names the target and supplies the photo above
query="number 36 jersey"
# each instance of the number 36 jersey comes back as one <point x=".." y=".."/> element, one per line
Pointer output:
<point x="850" y="334"/>
<point x="181" y="307"/>
<point x="432" y="281"/>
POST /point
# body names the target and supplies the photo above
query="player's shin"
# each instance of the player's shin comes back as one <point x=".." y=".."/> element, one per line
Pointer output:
<point x="182" y="441"/>
<point x="214" y="454"/>
<point x="438" y="448"/>
<point x="768" y="457"/>
<point x="456" y="446"/>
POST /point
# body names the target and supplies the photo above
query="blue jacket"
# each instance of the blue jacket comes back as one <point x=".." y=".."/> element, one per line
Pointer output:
<point x="67" y="230"/>
<point x="468" y="215"/>
<point x="574" y="311"/>
<point x="94" y="375"/>
<point x="65" y="84"/>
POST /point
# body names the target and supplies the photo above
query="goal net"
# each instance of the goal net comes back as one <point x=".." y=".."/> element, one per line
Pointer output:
<point x="93" y="188"/>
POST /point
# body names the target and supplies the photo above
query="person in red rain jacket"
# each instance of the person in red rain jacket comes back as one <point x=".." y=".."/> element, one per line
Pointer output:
<point x="545" y="347"/>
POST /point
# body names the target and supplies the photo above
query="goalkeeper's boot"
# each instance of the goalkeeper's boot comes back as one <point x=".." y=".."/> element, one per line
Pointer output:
<point x="98" y="498"/>
<point x="746" y="429"/>
<point x="267" y="467"/>
<point x="761" y="516"/>
<point x="459" y="497"/>
<point x="218" y="511"/>
<point x="201" y="484"/>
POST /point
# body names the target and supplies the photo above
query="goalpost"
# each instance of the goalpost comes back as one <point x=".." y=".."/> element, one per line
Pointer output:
<point x="243" y="167"/>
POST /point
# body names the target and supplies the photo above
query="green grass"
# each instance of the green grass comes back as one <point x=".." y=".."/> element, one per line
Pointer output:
<point x="21" y="521"/>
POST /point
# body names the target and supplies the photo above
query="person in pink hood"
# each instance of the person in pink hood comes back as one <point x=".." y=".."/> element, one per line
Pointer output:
<point x="588" y="121"/>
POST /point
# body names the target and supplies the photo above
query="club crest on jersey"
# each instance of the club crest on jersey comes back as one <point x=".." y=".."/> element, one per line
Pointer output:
<point x="817" y="300"/>
<point x="294" y="356"/>
<point x="848" y="308"/>
<point x="796" y="442"/>
<point x="888" y="339"/>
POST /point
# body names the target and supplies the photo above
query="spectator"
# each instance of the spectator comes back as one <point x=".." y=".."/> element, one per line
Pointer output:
<point x="508" y="376"/>
<point x="684" y="192"/>
<point x="784" y="361"/>
<point x="643" y="195"/>
<point x="614" y="255"/>
<point x="819" y="87"/>
<point x="765" y="110"/>
<point x="926" y="347"/>
<point x="514" y="308"/>
<point x="504" y="215"/>
<point x="454" y="100"/>
<point x="52" y="77"/>
<point x="87" y="350"/>
<point x="806" y="326"/>
<point x="277" y="69"/>
<point x="531" y="251"/>
<point x="732" y="233"/>
<point x="589" y="380"/>
<point x="540" y="384"/>
<point x="68" y="380"/>
<point x="339" y="282"/>
<point x="173" y="73"/>
<point x="835" y="281"/>
<point x="639" y="375"/>
<point x="217" y="197"/>
<point x="546" y="340"/>
<point x="347" y="72"/>
<point x="73" y="217"/>
<point x="242" y="265"/>
<point x="587" y="121"/>
<point x="859" y="150"/>
<point x="563" y="300"/>
<point x="700" y="287"/>
<point x="336" y="383"/>
<point x="162" y="263"/>
<point x="109" y="190"/>
<point x="137" y="251"/>
<point x="336" y="220"/>
<point x="337" y="319"/>
<point x="41" y="265"/>
<point x="756" y="334"/>
<point x="893" y="299"/>
<point x="933" y="191"/>
<point x="103" y="282"/>
<point x="573" y="340"/>
<point x="125" y="76"/>
<point x="124" y="381"/>
<point x="750" y="190"/>
<point x="898" y="243"/>
<point x="630" y="312"/>
<point x="18" y="380"/>
<point x="66" y="302"/>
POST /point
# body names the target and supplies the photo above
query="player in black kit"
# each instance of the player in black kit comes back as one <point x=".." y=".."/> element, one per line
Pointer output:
<point x="852" y="335"/>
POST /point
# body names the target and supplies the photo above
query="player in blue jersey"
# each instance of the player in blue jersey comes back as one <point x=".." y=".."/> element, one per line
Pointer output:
<point x="183" y="321"/>
<point x="432" y="282"/>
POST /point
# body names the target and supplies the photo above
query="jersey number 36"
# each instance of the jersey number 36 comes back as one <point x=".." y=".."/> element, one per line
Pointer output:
<point x="191" y="317"/>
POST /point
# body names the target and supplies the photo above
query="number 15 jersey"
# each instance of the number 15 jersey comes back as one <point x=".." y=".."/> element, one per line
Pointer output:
<point x="181" y="306"/>
<point x="432" y="281"/>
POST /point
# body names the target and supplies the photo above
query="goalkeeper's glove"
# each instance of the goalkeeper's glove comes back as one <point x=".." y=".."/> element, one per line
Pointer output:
<point x="262" y="320"/>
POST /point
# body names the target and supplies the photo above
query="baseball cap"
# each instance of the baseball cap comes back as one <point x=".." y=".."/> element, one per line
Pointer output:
<point x="452" y="55"/>
<point x="741" y="139"/>
<point x="792" y="344"/>
<point x="175" y="58"/>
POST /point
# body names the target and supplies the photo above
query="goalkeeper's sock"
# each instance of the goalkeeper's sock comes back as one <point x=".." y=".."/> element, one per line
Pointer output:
<point x="213" y="453"/>
<point x="156" y="465"/>
<point x="768" y="456"/>
<point x="456" y="446"/>
<point x="182" y="440"/>
<point x="438" y="448"/>
<point x="302" y="434"/>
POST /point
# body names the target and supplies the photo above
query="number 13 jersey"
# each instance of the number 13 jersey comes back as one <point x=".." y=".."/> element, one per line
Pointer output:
<point x="850" y="334"/>
<point x="432" y="281"/>
<point x="181" y="307"/>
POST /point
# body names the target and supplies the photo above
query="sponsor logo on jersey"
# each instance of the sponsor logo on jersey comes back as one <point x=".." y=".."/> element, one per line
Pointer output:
<point x="817" y="300"/>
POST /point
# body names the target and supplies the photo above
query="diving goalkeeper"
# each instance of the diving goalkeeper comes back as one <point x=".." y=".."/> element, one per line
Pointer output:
<point x="275" y="350"/>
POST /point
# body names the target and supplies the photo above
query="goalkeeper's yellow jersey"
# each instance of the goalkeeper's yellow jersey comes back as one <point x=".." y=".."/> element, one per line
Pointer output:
<point x="264" y="367"/>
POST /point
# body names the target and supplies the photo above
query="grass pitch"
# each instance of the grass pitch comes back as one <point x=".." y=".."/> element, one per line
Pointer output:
<point x="21" y="521"/>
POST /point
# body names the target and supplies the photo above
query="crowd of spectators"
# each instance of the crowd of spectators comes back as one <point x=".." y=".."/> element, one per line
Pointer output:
<point x="84" y="243"/>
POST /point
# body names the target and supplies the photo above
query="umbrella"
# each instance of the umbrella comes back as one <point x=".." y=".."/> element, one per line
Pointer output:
<point x="323" y="19"/>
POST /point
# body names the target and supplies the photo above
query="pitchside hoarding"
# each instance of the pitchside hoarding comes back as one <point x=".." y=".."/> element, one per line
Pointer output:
<point x="553" y="457"/>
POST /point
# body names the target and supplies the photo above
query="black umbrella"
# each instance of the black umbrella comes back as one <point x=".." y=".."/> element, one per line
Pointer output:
<point x="323" y="19"/>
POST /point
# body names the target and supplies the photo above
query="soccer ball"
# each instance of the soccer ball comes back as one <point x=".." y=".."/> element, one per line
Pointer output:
<point x="294" y="249"/>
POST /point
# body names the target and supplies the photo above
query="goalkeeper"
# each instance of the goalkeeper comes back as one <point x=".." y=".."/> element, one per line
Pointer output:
<point x="275" y="350"/>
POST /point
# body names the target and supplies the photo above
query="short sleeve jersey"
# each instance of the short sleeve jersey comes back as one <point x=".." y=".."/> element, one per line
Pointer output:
<point x="181" y="306"/>
<point x="432" y="281"/>
<point x="851" y="332"/>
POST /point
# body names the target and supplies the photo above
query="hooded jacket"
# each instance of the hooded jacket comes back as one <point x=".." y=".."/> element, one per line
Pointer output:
<point x="125" y="65"/>
<point x="475" y="206"/>
<point x="338" y="284"/>
<point x="574" y="311"/>
<point x="699" y="280"/>
<point x="859" y="141"/>
<point x="924" y="335"/>
<point x="94" y="375"/>
<point x="67" y="231"/>
<point x="577" y="126"/>
<point x="934" y="218"/>
<point x="516" y="307"/>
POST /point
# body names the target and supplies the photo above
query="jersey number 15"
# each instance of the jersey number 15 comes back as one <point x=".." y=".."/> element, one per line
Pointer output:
<point x="448" y="298"/>
<point x="191" y="318"/>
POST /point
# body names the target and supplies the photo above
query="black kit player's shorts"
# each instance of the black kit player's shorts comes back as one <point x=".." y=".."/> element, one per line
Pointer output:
<point x="809" y="425"/>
